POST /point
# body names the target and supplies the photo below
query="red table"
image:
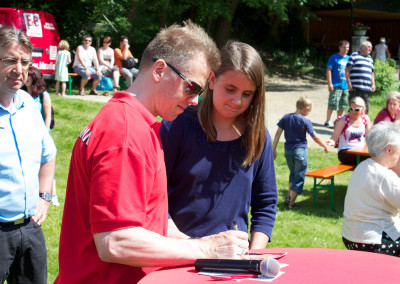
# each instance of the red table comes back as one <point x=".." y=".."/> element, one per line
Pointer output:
<point x="306" y="265"/>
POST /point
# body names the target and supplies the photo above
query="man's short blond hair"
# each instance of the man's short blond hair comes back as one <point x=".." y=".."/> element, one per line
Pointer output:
<point x="303" y="103"/>
<point x="178" y="44"/>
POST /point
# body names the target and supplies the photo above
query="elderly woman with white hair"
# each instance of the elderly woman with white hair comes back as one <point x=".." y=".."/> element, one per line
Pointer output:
<point x="391" y="111"/>
<point x="371" y="208"/>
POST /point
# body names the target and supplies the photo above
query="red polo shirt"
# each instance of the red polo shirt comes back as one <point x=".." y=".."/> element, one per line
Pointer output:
<point x="116" y="181"/>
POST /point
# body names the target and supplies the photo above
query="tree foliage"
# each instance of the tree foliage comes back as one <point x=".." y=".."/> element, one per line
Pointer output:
<point x="140" y="20"/>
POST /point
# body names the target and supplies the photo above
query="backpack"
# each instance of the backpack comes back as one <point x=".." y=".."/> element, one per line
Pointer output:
<point x="347" y="117"/>
<point x="52" y="112"/>
<point x="106" y="84"/>
<point x="129" y="63"/>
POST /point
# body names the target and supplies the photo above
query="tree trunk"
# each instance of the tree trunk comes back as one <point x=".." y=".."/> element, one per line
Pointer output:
<point x="223" y="25"/>
<point x="132" y="10"/>
<point x="274" y="27"/>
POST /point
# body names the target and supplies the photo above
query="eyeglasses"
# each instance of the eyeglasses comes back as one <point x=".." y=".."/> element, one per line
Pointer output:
<point x="356" y="109"/>
<point x="107" y="42"/>
<point x="25" y="63"/>
<point x="88" y="40"/>
<point x="193" y="89"/>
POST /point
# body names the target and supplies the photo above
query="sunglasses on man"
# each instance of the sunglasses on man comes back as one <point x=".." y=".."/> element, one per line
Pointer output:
<point x="192" y="89"/>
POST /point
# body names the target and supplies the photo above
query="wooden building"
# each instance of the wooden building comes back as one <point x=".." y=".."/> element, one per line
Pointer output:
<point x="335" y="24"/>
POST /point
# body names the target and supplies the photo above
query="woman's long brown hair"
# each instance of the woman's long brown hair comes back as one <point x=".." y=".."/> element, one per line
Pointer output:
<point x="244" y="58"/>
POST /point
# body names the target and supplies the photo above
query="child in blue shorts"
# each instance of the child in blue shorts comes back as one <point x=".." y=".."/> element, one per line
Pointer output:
<point x="296" y="125"/>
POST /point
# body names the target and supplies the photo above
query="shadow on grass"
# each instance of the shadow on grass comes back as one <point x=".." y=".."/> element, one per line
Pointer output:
<point x="322" y="130"/>
<point x="278" y="87"/>
<point x="322" y="207"/>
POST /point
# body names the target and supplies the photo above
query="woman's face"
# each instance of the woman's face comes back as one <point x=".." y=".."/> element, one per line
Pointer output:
<point x="233" y="93"/>
<point x="106" y="43"/>
<point x="392" y="155"/>
<point x="396" y="168"/>
<point x="28" y="81"/>
<point x="393" y="106"/>
<point x="356" y="110"/>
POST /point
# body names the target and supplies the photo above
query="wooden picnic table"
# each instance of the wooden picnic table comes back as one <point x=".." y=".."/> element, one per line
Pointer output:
<point x="359" y="151"/>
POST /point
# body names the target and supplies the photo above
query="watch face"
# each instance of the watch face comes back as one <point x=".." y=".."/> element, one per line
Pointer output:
<point x="46" y="196"/>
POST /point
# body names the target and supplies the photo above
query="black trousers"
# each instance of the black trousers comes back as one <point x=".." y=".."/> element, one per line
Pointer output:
<point x="23" y="254"/>
<point x="387" y="246"/>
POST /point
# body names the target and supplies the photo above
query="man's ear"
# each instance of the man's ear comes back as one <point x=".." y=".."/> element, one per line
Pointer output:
<point x="211" y="80"/>
<point x="158" y="70"/>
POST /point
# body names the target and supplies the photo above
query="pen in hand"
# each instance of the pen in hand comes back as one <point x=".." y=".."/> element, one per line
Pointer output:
<point x="235" y="226"/>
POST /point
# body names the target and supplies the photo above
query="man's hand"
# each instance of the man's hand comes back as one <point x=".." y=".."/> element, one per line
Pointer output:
<point x="349" y="86"/>
<point x="330" y="88"/>
<point x="87" y="72"/>
<point x="41" y="211"/>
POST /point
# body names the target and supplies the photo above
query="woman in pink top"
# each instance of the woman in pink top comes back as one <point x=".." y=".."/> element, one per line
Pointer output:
<point x="391" y="112"/>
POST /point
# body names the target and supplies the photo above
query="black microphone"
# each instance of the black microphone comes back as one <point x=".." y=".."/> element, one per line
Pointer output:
<point x="268" y="267"/>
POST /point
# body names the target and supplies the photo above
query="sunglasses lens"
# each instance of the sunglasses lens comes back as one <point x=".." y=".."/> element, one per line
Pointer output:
<point x="194" y="89"/>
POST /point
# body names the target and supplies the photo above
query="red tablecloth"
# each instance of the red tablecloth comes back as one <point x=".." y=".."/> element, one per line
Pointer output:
<point x="306" y="265"/>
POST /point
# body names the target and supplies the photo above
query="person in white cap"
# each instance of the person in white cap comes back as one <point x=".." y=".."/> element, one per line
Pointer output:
<point x="381" y="51"/>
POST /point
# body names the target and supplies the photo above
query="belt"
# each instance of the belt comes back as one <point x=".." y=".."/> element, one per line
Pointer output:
<point x="16" y="222"/>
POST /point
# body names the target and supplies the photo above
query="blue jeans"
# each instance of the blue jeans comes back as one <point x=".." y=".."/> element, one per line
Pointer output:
<point x="81" y="71"/>
<point x="297" y="161"/>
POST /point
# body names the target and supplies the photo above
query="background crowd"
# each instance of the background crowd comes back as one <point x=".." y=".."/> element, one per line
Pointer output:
<point x="117" y="223"/>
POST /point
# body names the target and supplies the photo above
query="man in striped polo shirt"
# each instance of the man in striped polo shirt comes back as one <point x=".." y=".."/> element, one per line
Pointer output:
<point x="360" y="74"/>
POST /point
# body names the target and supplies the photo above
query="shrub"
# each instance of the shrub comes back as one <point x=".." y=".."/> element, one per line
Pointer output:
<point x="301" y="61"/>
<point x="385" y="77"/>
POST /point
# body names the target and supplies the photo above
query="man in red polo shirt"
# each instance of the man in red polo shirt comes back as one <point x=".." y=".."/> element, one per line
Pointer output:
<point x="115" y="223"/>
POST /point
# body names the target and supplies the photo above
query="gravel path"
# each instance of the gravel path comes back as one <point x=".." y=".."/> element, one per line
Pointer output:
<point x="282" y="95"/>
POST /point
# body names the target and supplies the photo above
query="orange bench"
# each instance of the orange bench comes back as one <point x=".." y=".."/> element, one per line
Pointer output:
<point x="327" y="173"/>
<point x="70" y="75"/>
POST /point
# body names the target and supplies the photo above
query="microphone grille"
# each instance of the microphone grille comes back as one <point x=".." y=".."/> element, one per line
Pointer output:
<point x="270" y="267"/>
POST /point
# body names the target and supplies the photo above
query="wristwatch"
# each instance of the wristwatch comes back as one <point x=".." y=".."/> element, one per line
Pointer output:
<point x="46" y="196"/>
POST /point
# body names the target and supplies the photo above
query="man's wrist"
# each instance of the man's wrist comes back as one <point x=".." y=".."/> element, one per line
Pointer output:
<point x="46" y="196"/>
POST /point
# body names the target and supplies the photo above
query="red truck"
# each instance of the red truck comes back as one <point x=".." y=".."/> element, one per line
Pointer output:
<point x="42" y="30"/>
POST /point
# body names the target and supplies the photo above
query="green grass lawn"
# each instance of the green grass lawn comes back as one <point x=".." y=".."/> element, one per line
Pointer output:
<point x="306" y="227"/>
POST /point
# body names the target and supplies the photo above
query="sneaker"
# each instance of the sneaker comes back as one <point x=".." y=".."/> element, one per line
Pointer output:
<point x="328" y="124"/>
<point x="54" y="201"/>
<point x="93" y="92"/>
<point x="294" y="206"/>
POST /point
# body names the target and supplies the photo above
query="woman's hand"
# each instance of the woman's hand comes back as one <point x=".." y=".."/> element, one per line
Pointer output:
<point x="330" y="142"/>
